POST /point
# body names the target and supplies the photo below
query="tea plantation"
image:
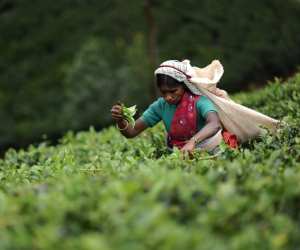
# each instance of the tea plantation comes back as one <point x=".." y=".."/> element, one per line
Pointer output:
<point x="99" y="190"/>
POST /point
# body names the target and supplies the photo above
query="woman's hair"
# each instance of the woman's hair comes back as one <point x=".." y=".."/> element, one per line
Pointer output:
<point x="165" y="80"/>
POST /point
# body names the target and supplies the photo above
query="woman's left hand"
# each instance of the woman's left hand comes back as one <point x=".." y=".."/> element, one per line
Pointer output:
<point x="188" y="147"/>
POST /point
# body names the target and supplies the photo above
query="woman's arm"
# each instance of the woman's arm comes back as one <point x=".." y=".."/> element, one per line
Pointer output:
<point x="128" y="131"/>
<point x="212" y="126"/>
<point x="125" y="128"/>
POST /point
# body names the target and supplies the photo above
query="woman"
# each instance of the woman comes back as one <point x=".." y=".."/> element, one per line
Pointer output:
<point x="191" y="120"/>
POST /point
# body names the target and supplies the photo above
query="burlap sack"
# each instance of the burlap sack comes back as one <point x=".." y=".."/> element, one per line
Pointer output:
<point x="244" y="122"/>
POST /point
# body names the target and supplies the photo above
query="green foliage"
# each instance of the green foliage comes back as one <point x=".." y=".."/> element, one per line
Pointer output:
<point x="129" y="113"/>
<point x="103" y="191"/>
<point x="103" y="73"/>
<point x="37" y="40"/>
<point x="249" y="37"/>
<point x="43" y="46"/>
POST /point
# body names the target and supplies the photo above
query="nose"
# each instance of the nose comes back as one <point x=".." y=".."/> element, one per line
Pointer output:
<point x="168" y="98"/>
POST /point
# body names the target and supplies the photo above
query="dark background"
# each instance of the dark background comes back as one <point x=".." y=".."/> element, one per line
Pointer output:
<point x="64" y="63"/>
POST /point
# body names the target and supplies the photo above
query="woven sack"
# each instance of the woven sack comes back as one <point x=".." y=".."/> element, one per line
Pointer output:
<point x="244" y="122"/>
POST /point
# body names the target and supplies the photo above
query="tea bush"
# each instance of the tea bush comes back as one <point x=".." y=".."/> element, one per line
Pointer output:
<point x="99" y="190"/>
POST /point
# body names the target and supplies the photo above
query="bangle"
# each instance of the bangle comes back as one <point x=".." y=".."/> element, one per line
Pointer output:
<point x="194" y="140"/>
<point x="121" y="129"/>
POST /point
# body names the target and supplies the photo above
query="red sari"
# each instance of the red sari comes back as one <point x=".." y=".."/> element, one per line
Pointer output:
<point x="184" y="123"/>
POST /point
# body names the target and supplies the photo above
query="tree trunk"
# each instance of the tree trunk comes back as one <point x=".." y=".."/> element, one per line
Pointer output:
<point x="152" y="42"/>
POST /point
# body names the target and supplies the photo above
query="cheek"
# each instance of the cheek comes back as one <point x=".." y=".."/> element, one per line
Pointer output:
<point x="180" y="93"/>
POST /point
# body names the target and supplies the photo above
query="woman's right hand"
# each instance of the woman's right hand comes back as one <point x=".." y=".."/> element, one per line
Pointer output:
<point x="127" y="130"/>
<point x="116" y="113"/>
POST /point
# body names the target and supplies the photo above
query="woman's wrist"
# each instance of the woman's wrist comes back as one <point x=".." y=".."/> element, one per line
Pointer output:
<point x="122" y="124"/>
<point x="194" y="140"/>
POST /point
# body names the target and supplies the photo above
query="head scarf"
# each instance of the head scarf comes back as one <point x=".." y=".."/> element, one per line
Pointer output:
<point x="182" y="71"/>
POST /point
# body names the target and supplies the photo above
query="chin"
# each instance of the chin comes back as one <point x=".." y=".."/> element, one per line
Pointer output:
<point x="175" y="102"/>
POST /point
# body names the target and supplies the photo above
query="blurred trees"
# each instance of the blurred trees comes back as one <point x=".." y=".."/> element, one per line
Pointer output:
<point x="103" y="73"/>
<point x="64" y="64"/>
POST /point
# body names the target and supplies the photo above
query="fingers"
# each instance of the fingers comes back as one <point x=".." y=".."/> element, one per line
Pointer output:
<point x="187" y="153"/>
<point x="116" y="112"/>
<point x="186" y="148"/>
<point x="117" y="117"/>
<point x="117" y="107"/>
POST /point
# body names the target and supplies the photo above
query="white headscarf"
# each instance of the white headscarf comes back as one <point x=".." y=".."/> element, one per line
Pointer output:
<point x="182" y="71"/>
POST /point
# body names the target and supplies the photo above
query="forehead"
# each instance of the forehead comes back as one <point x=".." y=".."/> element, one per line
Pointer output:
<point x="166" y="88"/>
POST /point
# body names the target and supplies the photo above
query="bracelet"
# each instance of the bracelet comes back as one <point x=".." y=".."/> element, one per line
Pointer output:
<point x="194" y="139"/>
<point x="121" y="129"/>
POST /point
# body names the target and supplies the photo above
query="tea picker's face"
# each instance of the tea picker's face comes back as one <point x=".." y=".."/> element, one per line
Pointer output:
<point x="172" y="95"/>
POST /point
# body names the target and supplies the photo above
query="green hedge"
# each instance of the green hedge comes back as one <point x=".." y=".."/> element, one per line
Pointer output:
<point x="103" y="191"/>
